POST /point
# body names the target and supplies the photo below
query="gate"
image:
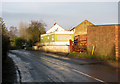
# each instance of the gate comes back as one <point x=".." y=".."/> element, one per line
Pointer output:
<point x="79" y="44"/>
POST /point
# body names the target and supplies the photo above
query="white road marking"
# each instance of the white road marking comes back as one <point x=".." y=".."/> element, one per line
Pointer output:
<point x="87" y="75"/>
<point x="75" y="70"/>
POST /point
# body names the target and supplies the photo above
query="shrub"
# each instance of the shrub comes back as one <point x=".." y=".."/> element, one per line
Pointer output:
<point x="30" y="43"/>
<point x="19" y="42"/>
<point x="5" y="46"/>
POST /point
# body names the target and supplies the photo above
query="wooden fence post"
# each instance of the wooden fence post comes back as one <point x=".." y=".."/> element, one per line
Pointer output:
<point x="71" y="42"/>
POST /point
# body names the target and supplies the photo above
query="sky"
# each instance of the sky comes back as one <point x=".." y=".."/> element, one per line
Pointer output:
<point x="66" y="14"/>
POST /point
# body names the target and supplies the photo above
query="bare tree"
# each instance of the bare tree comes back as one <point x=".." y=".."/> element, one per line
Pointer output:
<point x="23" y="30"/>
<point x="35" y="30"/>
<point x="12" y="32"/>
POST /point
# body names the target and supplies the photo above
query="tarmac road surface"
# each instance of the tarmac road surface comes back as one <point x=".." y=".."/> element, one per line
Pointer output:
<point x="35" y="66"/>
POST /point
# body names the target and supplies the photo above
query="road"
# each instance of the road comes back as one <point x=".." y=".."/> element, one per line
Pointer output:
<point x="35" y="66"/>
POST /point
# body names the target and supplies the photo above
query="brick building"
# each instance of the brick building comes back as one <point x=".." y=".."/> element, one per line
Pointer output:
<point x="80" y="31"/>
<point x="105" y="38"/>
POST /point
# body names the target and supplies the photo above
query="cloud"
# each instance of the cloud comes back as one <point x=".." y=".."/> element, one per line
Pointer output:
<point x="66" y="14"/>
<point x="60" y="0"/>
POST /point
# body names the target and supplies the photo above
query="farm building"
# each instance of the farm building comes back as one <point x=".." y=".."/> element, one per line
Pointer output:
<point x="105" y="39"/>
<point x="80" y="36"/>
<point x="56" y="39"/>
<point x="80" y="31"/>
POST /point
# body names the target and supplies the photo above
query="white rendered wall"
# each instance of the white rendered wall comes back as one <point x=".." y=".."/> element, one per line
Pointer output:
<point x="56" y="27"/>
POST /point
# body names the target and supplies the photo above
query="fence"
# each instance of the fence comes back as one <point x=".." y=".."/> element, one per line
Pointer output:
<point x="79" y="44"/>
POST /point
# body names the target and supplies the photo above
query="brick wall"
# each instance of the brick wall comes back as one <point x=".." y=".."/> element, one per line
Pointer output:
<point x="119" y="41"/>
<point x="103" y="38"/>
<point x="81" y="29"/>
<point x="117" y="47"/>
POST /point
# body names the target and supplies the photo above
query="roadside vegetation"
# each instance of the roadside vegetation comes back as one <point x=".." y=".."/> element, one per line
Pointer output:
<point x="17" y="38"/>
<point x="8" y="68"/>
<point x="85" y="55"/>
<point x="5" y="39"/>
<point x="29" y="34"/>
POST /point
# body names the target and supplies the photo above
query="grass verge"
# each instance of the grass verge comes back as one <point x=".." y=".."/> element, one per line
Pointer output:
<point x="89" y="56"/>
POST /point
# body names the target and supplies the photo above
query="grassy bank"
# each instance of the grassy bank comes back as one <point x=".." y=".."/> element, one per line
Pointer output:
<point x="84" y="55"/>
<point x="89" y="56"/>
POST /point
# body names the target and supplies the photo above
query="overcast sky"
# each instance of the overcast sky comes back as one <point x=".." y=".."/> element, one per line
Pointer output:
<point x="66" y="14"/>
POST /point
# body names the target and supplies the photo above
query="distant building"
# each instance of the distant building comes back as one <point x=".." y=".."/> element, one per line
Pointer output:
<point x="73" y="29"/>
<point x="55" y="28"/>
<point x="80" y="31"/>
<point x="56" y="39"/>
